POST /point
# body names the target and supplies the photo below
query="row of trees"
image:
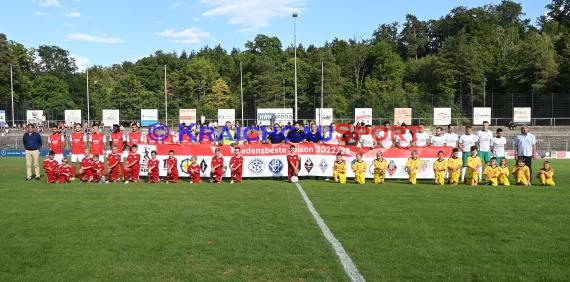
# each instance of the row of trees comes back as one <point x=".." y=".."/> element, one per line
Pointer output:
<point x="453" y="61"/>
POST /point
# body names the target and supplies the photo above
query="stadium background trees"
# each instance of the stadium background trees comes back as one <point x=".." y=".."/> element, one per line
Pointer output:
<point x="452" y="61"/>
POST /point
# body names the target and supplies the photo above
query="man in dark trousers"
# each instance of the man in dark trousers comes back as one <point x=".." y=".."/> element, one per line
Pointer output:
<point x="32" y="143"/>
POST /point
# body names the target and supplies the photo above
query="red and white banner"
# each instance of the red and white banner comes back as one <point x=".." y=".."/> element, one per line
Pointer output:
<point x="264" y="160"/>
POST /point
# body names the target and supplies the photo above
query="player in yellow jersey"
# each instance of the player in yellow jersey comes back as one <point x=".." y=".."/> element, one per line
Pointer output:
<point x="339" y="169"/>
<point x="380" y="166"/>
<point x="359" y="169"/>
<point x="454" y="165"/>
<point x="412" y="165"/>
<point x="546" y="174"/>
<point x="473" y="166"/>
<point x="521" y="172"/>
<point x="492" y="173"/>
<point x="439" y="168"/>
<point x="503" y="178"/>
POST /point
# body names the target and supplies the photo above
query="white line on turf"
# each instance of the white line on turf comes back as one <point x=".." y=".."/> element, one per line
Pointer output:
<point x="349" y="266"/>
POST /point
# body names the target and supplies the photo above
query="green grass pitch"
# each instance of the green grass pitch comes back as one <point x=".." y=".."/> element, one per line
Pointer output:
<point x="261" y="230"/>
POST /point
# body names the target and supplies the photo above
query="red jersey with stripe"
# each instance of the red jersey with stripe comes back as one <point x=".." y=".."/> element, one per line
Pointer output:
<point x="236" y="162"/>
<point x="153" y="165"/>
<point x="98" y="143"/>
<point x="194" y="168"/>
<point x="50" y="165"/>
<point x="218" y="161"/>
<point x="172" y="162"/>
<point x="56" y="143"/>
<point x="113" y="159"/>
<point x="78" y="142"/>
<point x="293" y="160"/>
<point x="98" y="167"/>
<point x="133" y="158"/>
<point x="135" y="138"/>
<point x="117" y="140"/>
<point x="87" y="162"/>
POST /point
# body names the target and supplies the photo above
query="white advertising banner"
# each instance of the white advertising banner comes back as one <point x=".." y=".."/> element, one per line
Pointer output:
<point x="363" y="115"/>
<point x="110" y="117"/>
<point x="187" y="116"/>
<point x="72" y="116"/>
<point x="522" y="115"/>
<point x="226" y="115"/>
<point x="2" y="117"/>
<point x="480" y="115"/>
<point x="441" y="116"/>
<point x="276" y="115"/>
<point x="35" y="116"/>
<point x="402" y="115"/>
<point x="323" y="116"/>
<point x="149" y="117"/>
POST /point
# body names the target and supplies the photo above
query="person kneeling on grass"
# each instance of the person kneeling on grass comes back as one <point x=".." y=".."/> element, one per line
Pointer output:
<point x="97" y="170"/>
<point x="339" y="169"/>
<point x="439" y="168"/>
<point x="172" y="168"/>
<point x="153" y="168"/>
<point x="194" y="170"/>
<point x="546" y="174"/>
<point x="521" y="172"/>
<point x="132" y="168"/>
<point x="454" y="165"/>
<point x="380" y="166"/>
<point x="50" y="165"/>
<point x="85" y="171"/>
<point x="473" y="166"/>
<point x="113" y="165"/>
<point x="503" y="171"/>
<point x="412" y="165"/>
<point x="236" y="166"/>
<point x="492" y="173"/>
<point x="64" y="171"/>
<point x="359" y="169"/>
<point x="217" y="167"/>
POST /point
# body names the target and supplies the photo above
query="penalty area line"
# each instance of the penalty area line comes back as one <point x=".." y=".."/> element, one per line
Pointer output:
<point x="345" y="260"/>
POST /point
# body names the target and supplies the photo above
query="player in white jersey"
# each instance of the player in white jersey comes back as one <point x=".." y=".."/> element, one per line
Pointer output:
<point x="451" y="137"/>
<point x="422" y="138"/>
<point x="466" y="141"/>
<point x="404" y="137"/>
<point x="485" y="137"/>
<point x="498" y="145"/>
<point x="438" y="139"/>
<point x="385" y="137"/>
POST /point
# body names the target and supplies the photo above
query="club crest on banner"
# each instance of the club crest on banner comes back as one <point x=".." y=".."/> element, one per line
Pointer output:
<point x="256" y="166"/>
<point x="185" y="164"/>
<point x="392" y="168"/>
<point x="323" y="165"/>
<point x="203" y="165"/>
<point x="275" y="166"/>
<point x="424" y="167"/>
<point x="309" y="165"/>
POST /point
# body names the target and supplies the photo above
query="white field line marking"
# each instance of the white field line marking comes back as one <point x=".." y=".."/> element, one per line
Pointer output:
<point x="349" y="266"/>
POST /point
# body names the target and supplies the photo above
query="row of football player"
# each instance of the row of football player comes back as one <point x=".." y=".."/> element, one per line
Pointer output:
<point x="495" y="174"/>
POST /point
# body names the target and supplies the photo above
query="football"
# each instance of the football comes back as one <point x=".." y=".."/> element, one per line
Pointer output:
<point x="294" y="179"/>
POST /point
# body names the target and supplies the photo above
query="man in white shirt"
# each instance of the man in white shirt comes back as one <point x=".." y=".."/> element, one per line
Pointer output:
<point x="438" y="139"/>
<point x="421" y="137"/>
<point x="525" y="147"/>
<point x="385" y="137"/>
<point x="451" y="137"/>
<point x="366" y="140"/>
<point x="465" y="142"/>
<point x="403" y="137"/>
<point x="485" y="136"/>
<point x="498" y="145"/>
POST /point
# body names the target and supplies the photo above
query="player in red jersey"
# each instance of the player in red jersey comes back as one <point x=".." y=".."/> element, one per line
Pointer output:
<point x="57" y="143"/>
<point x="85" y="171"/>
<point x="135" y="137"/>
<point x="77" y="140"/>
<point x="236" y="166"/>
<point x="97" y="140"/>
<point x="194" y="170"/>
<point x="117" y="138"/>
<point x="133" y="165"/>
<point x="293" y="162"/>
<point x="172" y="166"/>
<point x="153" y="168"/>
<point x="217" y="168"/>
<point x="98" y="169"/>
<point x="113" y="165"/>
<point x="205" y="134"/>
<point x="64" y="171"/>
<point x="170" y="139"/>
<point x="50" y="166"/>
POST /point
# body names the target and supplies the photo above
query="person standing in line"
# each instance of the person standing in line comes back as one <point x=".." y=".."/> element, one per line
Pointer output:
<point x="77" y="142"/>
<point x="525" y="147"/>
<point x="56" y="143"/>
<point x="485" y="136"/>
<point x="467" y="141"/>
<point x="498" y="146"/>
<point x="32" y="143"/>
<point x="451" y="137"/>
<point x="438" y="140"/>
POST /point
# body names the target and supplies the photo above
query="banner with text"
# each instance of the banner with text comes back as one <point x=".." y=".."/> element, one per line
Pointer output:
<point x="441" y="116"/>
<point x="3" y="117"/>
<point x="187" y="116"/>
<point x="324" y="116"/>
<point x="226" y="115"/>
<point x="276" y="115"/>
<point x="72" y="116"/>
<point x="480" y="115"/>
<point x="402" y="115"/>
<point x="522" y="115"/>
<point x="149" y="117"/>
<point x="110" y="117"/>
<point x="271" y="160"/>
<point x="363" y="115"/>
<point x="35" y="116"/>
